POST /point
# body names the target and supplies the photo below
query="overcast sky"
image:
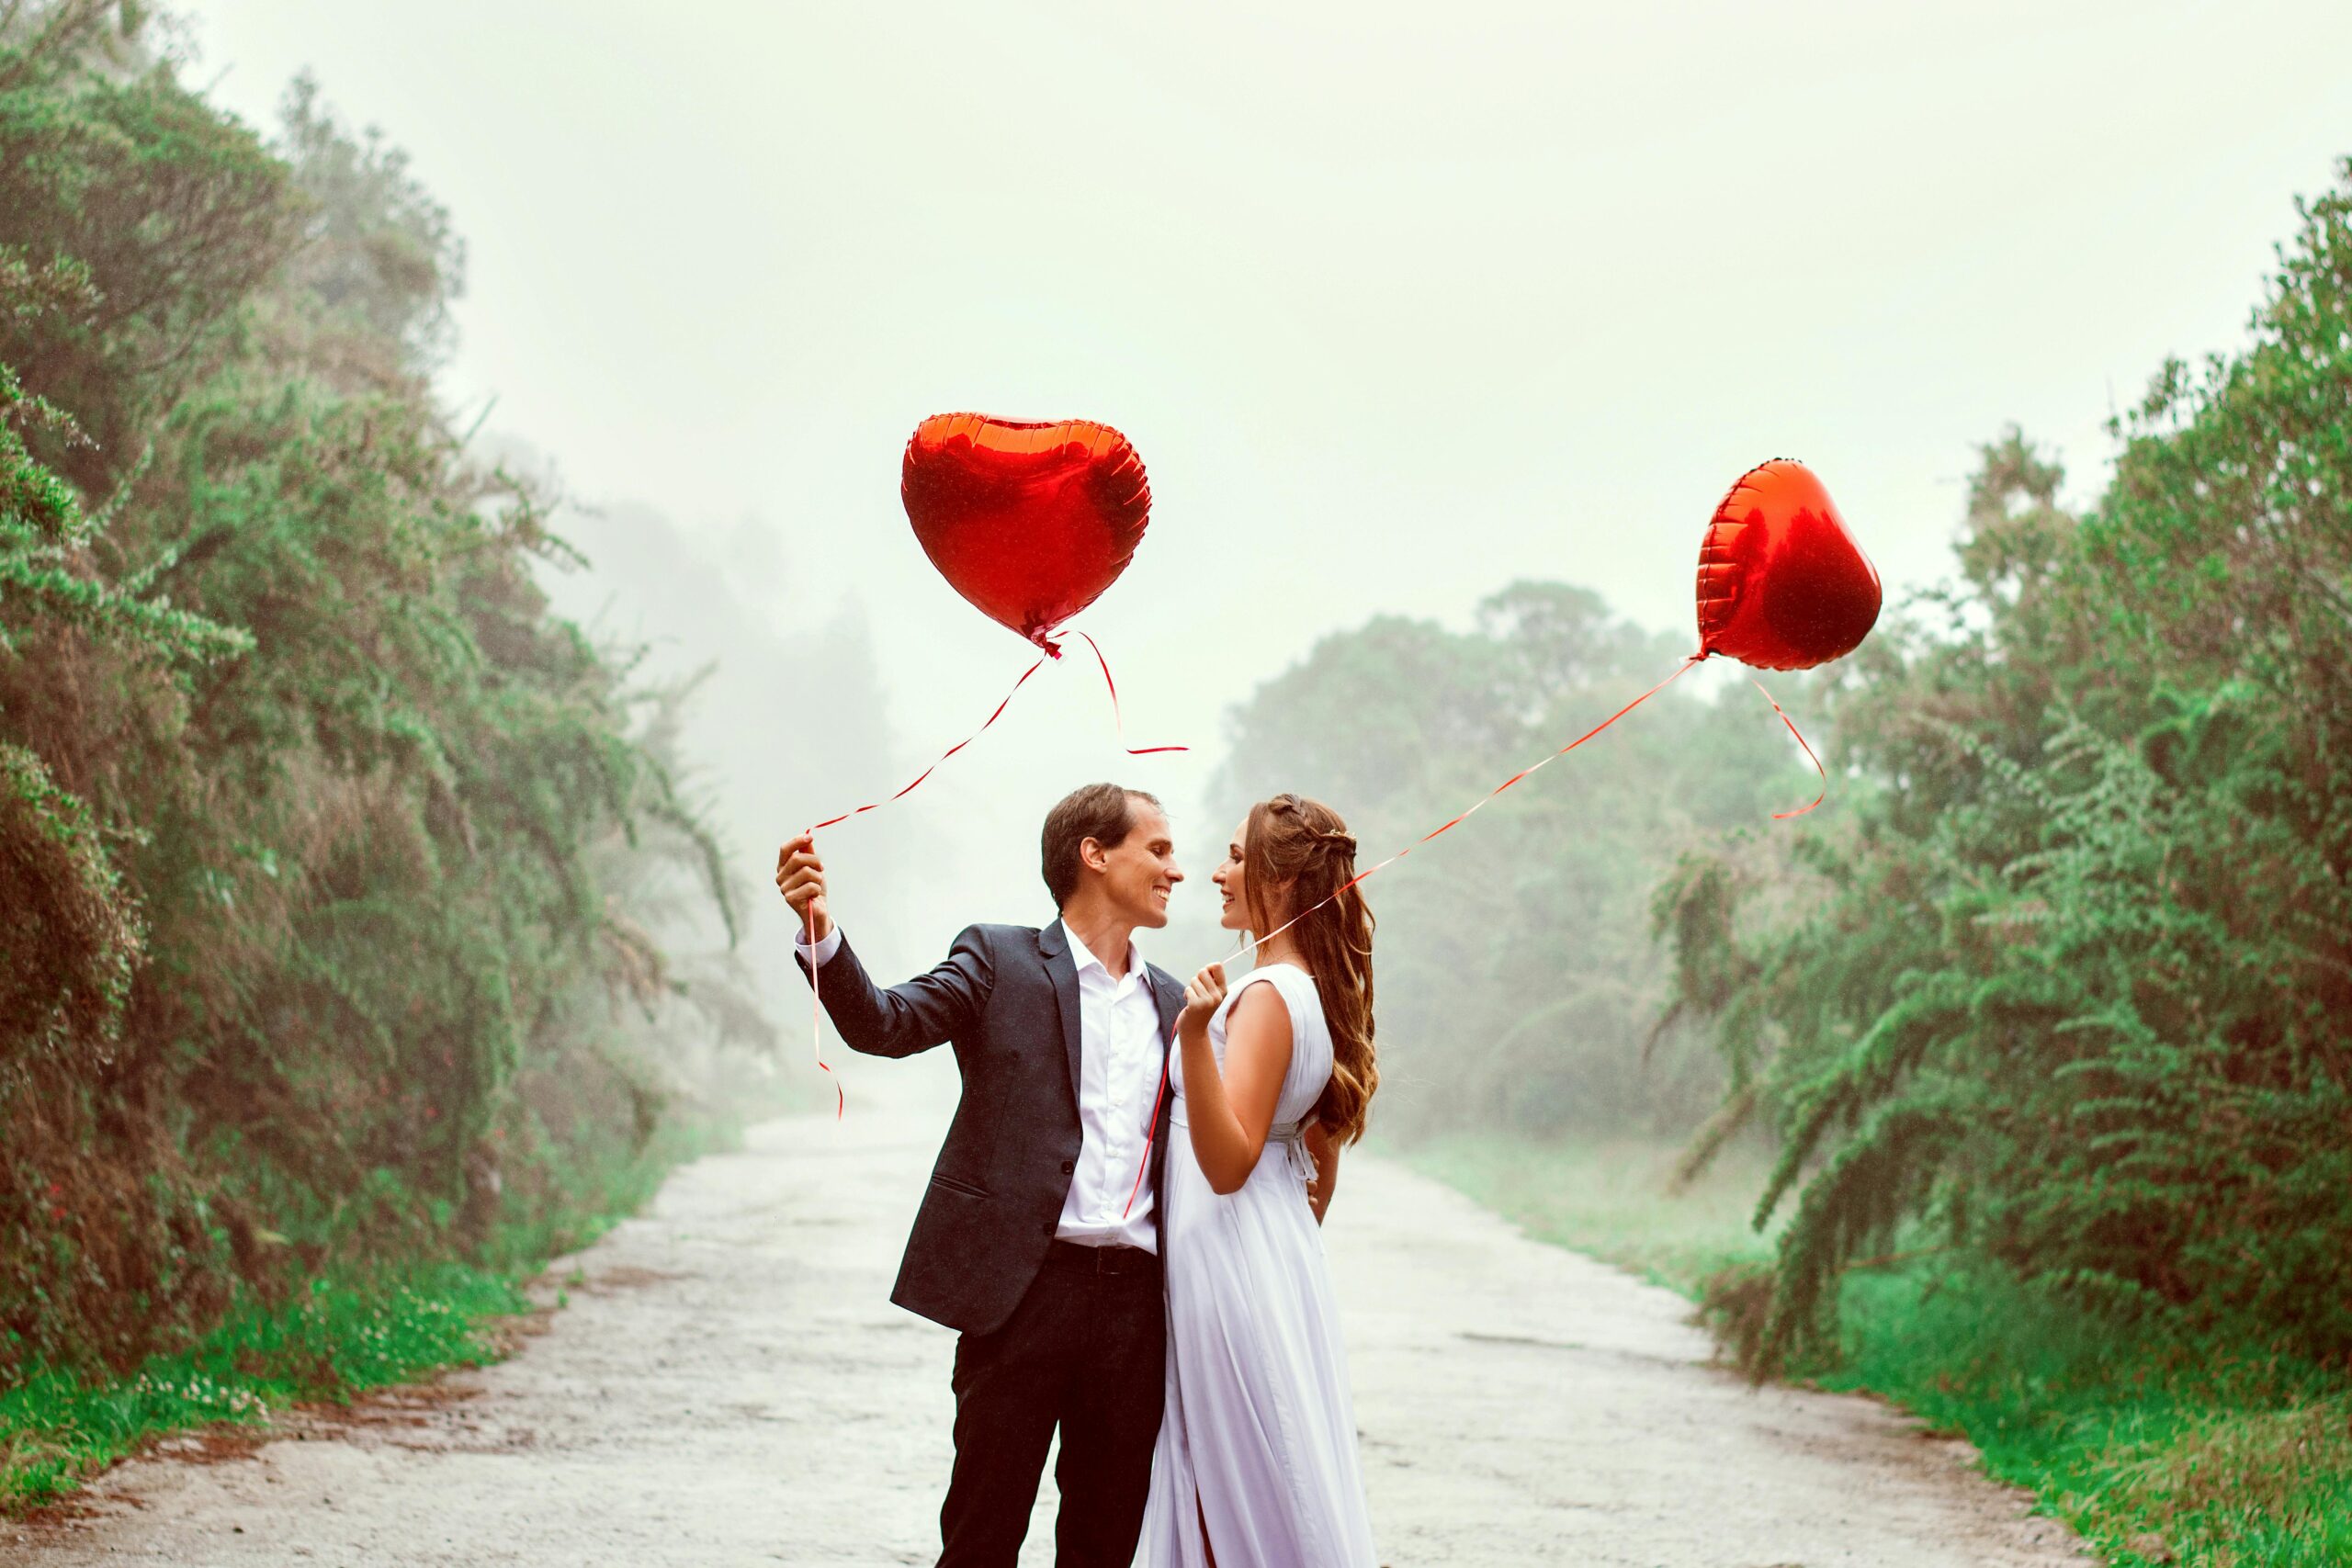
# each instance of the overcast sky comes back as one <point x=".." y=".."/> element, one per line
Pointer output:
<point x="1398" y="303"/>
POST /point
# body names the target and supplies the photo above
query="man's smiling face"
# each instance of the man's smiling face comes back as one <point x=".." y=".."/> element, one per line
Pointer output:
<point x="1141" y="873"/>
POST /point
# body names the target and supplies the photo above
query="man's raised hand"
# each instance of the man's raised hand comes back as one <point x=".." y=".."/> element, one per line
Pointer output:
<point x="800" y="877"/>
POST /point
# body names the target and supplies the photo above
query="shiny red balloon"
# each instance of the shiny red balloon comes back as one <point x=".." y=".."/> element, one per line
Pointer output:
<point x="1783" y="585"/>
<point x="1030" y="522"/>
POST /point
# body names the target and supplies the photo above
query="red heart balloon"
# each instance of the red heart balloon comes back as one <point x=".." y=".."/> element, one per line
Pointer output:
<point x="1030" y="522"/>
<point x="1783" y="585"/>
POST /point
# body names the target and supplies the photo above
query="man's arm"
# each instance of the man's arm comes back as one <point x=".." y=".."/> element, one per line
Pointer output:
<point x="915" y="1015"/>
<point x="898" y="1021"/>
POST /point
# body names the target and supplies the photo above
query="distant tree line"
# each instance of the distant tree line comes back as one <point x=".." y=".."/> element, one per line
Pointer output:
<point x="1518" y="986"/>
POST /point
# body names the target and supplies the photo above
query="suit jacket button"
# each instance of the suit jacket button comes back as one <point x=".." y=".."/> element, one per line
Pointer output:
<point x="1051" y="1226"/>
<point x="1069" y="1165"/>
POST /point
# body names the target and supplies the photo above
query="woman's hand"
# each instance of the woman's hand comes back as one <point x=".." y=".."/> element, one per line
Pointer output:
<point x="1229" y="1106"/>
<point x="1202" y="998"/>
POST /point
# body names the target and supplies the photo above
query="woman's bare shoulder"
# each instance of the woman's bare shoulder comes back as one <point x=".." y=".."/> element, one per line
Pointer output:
<point x="1265" y="1001"/>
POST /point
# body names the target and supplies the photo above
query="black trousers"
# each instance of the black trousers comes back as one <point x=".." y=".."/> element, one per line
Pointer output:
<point x="1085" y="1350"/>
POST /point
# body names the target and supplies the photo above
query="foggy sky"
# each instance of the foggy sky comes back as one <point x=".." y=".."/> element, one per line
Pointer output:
<point x="1398" y="303"/>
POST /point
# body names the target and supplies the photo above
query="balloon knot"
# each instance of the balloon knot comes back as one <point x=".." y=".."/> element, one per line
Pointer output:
<point x="1053" y="649"/>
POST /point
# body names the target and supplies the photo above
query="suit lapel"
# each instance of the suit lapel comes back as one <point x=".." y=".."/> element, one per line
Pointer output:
<point x="1062" y="970"/>
<point x="1170" y="998"/>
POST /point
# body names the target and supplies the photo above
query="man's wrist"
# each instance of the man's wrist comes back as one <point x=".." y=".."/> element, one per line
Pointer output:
<point x="819" y="952"/>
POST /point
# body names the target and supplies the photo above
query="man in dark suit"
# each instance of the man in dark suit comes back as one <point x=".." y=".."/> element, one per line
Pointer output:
<point x="1039" y="1238"/>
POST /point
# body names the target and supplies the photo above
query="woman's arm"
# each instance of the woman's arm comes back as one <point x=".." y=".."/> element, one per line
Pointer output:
<point x="1324" y="1146"/>
<point x="1230" y="1112"/>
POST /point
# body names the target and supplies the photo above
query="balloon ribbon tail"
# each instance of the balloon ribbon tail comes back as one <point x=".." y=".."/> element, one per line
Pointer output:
<point x="1116" y="718"/>
<point x="817" y="1037"/>
<point x="1784" y="815"/>
<point x="816" y="1007"/>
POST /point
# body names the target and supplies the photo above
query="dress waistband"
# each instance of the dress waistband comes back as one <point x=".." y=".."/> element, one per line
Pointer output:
<point x="1292" y="1135"/>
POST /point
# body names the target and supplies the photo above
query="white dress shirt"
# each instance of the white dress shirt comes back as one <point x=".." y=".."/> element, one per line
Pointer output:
<point x="1120" y="1057"/>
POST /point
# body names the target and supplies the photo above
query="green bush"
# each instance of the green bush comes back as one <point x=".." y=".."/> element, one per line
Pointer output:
<point x="328" y="850"/>
<point x="2073" y="990"/>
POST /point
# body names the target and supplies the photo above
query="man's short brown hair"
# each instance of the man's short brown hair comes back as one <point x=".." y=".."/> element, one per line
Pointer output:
<point x="1102" y="812"/>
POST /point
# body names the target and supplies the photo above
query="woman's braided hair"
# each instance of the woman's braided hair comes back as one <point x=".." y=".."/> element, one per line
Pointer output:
<point x="1298" y="854"/>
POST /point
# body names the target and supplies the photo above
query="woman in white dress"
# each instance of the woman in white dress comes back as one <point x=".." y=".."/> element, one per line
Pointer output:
<point x="1256" y="1466"/>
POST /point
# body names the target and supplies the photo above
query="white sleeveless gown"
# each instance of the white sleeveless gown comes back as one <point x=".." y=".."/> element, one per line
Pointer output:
<point x="1259" y="1426"/>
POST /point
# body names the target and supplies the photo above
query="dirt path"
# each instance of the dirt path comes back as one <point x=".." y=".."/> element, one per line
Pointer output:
<point x="730" y="1386"/>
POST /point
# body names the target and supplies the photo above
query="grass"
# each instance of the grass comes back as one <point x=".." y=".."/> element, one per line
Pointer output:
<point x="329" y="1342"/>
<point x="2159" y="1447"/>
<point x="1610" y="1200"/>
<point x="334" y="1339"/>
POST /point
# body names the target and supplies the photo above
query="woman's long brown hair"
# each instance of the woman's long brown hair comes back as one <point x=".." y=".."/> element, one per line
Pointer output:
<point x="1303" y="843"/>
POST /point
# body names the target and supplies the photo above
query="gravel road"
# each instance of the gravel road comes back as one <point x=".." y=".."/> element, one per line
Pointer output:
<point x="729" y="1384"/>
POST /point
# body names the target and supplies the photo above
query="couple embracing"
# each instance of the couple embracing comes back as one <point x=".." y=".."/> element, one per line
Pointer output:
<point x="1139" y="1268"/>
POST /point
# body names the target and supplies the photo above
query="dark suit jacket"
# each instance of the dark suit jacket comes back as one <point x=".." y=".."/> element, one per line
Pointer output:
<point x="1006" y="997"/>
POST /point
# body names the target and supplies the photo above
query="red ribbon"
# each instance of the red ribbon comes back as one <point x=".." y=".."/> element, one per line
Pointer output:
<point x="1784" y="815"/>
<point x="1152" y="1127"/>
<point x="817" y="1040"/>
<point x="1052" y="650"/>
<point x="816" y="1007"/>
<point x="1116" y="720"/>
<point x="869" y="806"/>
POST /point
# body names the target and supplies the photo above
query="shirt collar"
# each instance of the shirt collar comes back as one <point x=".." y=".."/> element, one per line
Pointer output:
<point x="1083" y="956"/>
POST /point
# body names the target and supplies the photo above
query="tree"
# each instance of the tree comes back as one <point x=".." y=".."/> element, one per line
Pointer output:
<point x="307" y="802"/>
<point x="2072" y="994"/>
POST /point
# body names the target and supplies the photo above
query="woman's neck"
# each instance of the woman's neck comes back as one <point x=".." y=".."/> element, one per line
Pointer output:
<point x="1282" y="950"/>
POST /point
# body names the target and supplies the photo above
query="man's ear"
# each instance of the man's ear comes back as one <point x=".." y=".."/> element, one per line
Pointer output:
<point x="1092" y="855"/>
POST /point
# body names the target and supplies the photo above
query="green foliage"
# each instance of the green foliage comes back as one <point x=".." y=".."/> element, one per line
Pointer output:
<point x="67" y="950"/>
<point x="175" y="212"/>
<point x="2196" y="1450"/>
<point x="378" y="251"/>
<point x="328" y="1340"/>
<point x="1517" y="981"/>
<point x="44" y="537"/>
<point x="2071" y="996"/>
<point x="327" y="837"/>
